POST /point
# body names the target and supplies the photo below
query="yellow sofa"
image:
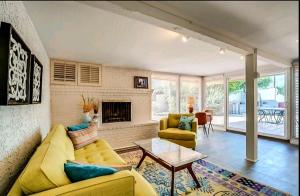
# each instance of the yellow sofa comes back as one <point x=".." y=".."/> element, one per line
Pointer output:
<point x="44" y="174"/>
<point x="169" y="130"/>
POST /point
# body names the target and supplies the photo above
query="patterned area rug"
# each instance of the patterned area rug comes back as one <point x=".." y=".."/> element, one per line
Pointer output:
<point x="213" y="179"/>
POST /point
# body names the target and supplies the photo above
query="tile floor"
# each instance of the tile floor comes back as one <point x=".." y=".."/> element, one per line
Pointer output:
<point x="277" y="165"/>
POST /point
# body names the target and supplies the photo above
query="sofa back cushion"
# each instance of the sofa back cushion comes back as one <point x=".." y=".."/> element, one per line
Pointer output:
<point x="173" y="119"/>
<point x="45" y="170"/>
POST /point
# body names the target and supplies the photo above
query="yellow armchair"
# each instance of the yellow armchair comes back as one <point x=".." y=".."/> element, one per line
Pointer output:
<point x="169" y="130"/>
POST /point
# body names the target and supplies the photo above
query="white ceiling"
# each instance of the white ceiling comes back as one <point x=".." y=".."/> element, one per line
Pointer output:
<point x="75" y="31"/>
<point x="271" y="26"/>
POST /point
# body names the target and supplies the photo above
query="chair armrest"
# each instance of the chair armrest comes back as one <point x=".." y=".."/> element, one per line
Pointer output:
<point x="103" y="185"/>
<point x="195" y="125"/>
<point x="163" y="123"/>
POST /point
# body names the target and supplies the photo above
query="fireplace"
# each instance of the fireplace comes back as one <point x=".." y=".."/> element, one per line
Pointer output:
<point x="116" y="112"/>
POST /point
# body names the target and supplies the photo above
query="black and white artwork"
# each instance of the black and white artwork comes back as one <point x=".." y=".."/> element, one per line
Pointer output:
<point x="14" y="67"/>
<point x="140" y="82"/>
<point x="36" y="80"/>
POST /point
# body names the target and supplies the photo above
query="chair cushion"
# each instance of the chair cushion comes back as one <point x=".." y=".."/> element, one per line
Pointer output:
<point x="78" y="172"/>
<point x="173" y="119"/>
<point x="177" y="134"/>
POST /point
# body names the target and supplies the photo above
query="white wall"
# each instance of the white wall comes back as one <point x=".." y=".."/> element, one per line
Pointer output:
<point x="117" y="84"/>
<point x="22" y="127"/>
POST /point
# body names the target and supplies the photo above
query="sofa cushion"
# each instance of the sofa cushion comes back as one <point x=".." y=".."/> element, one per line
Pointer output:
<point x="173" y="119"/>
<point x="78" y="172"/>
<point x="62" y="141"/>
<point x="45" y="170"/>
<point x="83" y="137"/>
<point x="142" y="186"/>
<point x="98" y="155"/>
<point x="177" y="134"/>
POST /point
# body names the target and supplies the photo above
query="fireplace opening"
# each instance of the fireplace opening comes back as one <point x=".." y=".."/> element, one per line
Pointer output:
<point x="116" y="112"/>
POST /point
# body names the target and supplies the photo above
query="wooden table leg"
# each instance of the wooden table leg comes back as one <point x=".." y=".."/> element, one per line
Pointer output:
<point x="172" y="181"/>
<point x="189" y="167"/>
<point x="142" y="159"/>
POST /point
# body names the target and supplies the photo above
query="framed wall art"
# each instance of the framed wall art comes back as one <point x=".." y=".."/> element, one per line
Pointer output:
<point x="36" y="78"/>
<point x="14" y="67"/>
<point x="140" y="82"/>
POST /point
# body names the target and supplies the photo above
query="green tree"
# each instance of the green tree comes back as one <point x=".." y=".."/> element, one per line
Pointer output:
<point x="240" y="85"/>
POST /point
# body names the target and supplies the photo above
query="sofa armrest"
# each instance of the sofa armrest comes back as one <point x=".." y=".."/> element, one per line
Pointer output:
<point x="103" y="185"/>
<point x="163" y="123"/>
<point x="195" y="125"/>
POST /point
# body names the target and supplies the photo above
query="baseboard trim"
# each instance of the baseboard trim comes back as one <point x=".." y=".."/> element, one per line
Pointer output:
<point x="126" y="149"/>
<point x="251" y="160"/>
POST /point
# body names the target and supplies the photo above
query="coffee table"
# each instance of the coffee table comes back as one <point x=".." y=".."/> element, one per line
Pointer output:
<point x="170" y="155"/>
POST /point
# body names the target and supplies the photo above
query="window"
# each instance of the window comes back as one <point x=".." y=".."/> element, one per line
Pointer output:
<point x="215" y="98"/>
<point x="189" y="87"/>
<point x="164" y="96"/>
<point x="171" y="92"/>
<point x="296" y="101"/>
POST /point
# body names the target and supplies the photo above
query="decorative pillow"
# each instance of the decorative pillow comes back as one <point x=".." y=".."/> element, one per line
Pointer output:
<point x="78" y="127"/>
<point x="185" y="123"/>
<point x="117" y="167"/>
<point x="78" y="172"/>
<point x="83" y="137"/>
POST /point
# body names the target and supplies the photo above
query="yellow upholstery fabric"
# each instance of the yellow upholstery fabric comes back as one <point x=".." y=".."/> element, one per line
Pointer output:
<point x="44" y="174"/>
<point x="163" y="123"/>
<point x="169" y="131"/>
<point x="118" y="184"/>
<point x="107" y="156"/>
<point x="46" y="169"/>
<point x="142" y="187"/>
<point x="177" y="134"/>
<point x="173" y="119"/>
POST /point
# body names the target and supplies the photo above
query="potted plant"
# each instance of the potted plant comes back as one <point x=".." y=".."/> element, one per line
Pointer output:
<point x="86" y="107"/>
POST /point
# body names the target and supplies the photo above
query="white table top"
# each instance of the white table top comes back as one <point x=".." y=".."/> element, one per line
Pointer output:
<point x="171" y="153"/>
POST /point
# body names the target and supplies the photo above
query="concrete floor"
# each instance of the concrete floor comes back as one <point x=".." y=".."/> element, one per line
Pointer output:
<point x="277" y="165"/>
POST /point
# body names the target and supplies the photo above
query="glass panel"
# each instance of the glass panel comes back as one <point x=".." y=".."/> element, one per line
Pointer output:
<point x="236" y="105"/>
<point x="163" y="98"/>
<point x="271" y="104"/>
<point x="189" y="88"/>
<point x="215" y="99"/>
<point x="296" y="101"/>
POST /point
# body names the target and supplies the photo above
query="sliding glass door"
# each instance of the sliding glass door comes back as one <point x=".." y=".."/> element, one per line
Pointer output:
<point x="236" y="119"/>
<point x="271" y="105"/>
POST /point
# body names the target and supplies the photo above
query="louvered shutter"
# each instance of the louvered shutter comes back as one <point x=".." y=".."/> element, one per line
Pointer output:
<point x="63" y="72"/>
<point x="89" y="74"/>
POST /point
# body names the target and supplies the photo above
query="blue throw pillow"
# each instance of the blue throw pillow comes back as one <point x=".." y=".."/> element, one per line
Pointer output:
<point x="78" y="172"/>
<point x="78" y="127"/>
<point x="185" y="122"/>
